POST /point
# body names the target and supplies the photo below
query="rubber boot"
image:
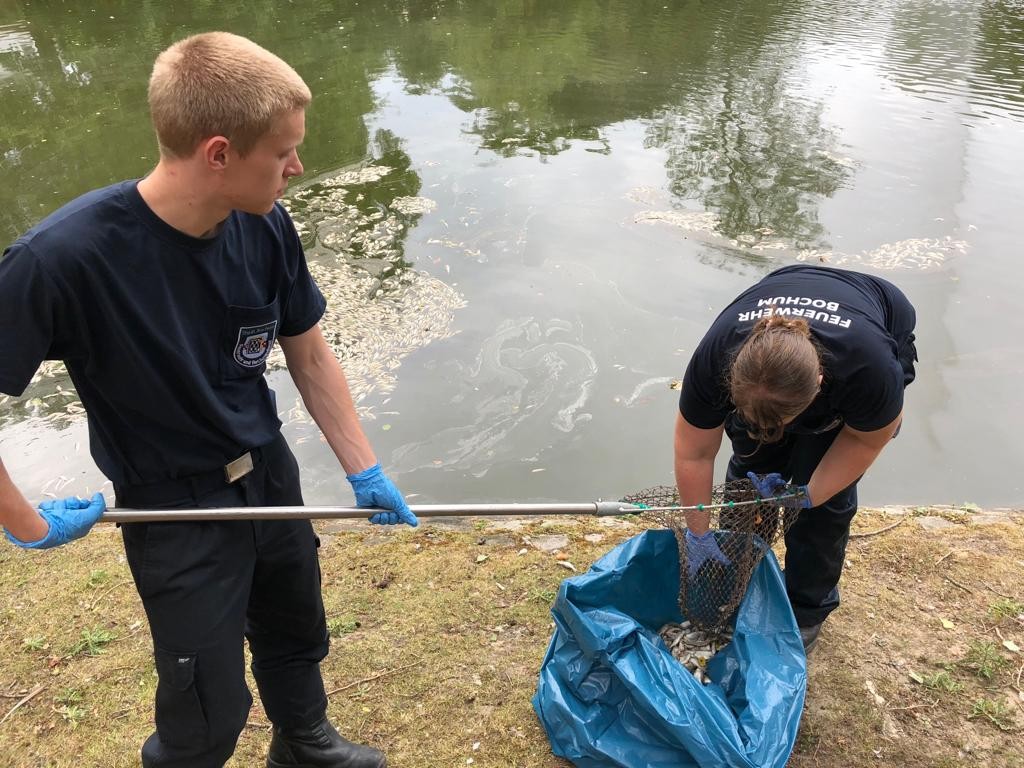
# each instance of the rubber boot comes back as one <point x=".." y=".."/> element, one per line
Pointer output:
<point x="809" y="636"/>
<point x="319" y="746"/>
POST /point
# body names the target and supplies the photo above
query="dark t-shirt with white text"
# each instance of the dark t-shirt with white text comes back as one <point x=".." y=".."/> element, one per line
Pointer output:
<point x="864" y="324"/>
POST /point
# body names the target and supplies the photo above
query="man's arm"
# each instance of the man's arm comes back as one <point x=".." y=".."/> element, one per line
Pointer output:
<point x="847" y="459"/>
<point x="695" y="451"/>
<point x="325" y="392"/>
<point x="324" y="389"/>
<point x="19" y="517"/>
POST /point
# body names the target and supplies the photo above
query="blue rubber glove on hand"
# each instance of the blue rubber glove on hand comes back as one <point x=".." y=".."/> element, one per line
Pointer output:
<point x="700" y="549"/>
<point x="772" y="484"/>
<point x="69" y="519"/>
<point x="373" y="489"/>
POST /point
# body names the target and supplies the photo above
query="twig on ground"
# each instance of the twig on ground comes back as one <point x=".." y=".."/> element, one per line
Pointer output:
<point x="956" y="583"/>
<point x="385" y="673"/>
<point x="1008" y="597"/>
<point x="944" y="557"/>
<point x="129" y="633"/>
<point x="107" y="592"/>
<point x="915" y="706"/>
<point x="880" y="530"/>
<point x="25" y="699"/>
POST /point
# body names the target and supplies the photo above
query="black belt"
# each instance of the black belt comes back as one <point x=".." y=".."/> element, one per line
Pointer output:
<point x="197" y="485"/>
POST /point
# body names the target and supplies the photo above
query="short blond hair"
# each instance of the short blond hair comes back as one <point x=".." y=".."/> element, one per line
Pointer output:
<point x="219" y="84"/>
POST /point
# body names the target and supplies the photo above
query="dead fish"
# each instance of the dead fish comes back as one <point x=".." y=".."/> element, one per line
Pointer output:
<point x="693" y="649"/>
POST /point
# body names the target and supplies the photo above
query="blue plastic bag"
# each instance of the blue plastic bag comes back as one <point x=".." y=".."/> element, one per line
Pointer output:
<point x="610" y="693"/>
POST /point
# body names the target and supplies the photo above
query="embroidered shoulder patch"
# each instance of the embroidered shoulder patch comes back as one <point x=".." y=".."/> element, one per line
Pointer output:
<point x="254" y="344"/>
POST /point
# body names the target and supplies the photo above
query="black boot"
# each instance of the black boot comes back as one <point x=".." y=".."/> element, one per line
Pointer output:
<point x="809" y="636"/>
<point x="320" y="746"/>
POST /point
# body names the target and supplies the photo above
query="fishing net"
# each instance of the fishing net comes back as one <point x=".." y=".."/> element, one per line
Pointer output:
<point x="744" y="525"/>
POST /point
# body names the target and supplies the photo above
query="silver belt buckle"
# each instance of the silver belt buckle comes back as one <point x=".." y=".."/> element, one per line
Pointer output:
<point x="239" y="468"/>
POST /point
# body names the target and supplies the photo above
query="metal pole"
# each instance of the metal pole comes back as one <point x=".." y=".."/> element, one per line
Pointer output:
<point x="597" y="508"/>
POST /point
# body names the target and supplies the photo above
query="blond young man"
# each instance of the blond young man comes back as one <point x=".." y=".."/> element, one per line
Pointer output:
<point x="164" y="297"/>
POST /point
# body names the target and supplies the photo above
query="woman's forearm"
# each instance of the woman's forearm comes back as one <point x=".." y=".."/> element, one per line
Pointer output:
<point x="847" y="459"/>
<point x="695" y="451"/>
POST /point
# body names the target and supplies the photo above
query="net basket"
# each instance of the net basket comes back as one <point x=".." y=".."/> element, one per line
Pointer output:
<point x="744" y="526"/>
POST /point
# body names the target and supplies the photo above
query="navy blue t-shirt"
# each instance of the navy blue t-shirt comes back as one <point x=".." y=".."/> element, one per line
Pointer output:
<point x="165" y="336"/>
<point x="865" y="325"/>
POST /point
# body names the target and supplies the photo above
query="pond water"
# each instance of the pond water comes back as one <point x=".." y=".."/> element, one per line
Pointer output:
<point x="526" y="214"/>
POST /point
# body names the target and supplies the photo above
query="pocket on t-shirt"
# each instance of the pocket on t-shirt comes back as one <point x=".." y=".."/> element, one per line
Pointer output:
<point x="248" y="338"/>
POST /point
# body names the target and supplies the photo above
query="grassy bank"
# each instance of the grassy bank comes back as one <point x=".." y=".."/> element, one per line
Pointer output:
<point x="438" y="635"/>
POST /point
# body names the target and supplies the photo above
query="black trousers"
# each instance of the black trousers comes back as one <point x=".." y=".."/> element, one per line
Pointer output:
<point x="816" y="542"/>
<point x="207" y="586"/>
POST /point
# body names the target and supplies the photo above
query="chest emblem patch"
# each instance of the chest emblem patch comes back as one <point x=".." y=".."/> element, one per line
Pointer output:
<point x="254" y="344"/>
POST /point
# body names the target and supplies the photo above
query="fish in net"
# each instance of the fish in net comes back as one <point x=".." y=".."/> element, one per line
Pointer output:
<point x="744" y="525"/>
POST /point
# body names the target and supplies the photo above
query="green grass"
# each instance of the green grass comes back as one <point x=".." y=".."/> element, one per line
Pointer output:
<point x="433" y="652"/>
<point x="942" y="681"/>
<point x="91" y="642"/>
<point x="1006" y="608"/>
<point x="995" y="712"/>
<point x="985" y="659"/>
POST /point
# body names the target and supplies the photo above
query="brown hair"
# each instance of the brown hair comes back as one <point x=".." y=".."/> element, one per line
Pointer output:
<point x="219" y="84"/>
<point x="774" y="375"/>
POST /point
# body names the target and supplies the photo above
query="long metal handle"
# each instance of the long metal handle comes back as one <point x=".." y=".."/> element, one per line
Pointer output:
<point x="597" y="508"/>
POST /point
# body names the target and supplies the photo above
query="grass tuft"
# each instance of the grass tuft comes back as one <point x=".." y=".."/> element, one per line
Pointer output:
<point x="985" y="659"/>
<point x="995" y="712"/>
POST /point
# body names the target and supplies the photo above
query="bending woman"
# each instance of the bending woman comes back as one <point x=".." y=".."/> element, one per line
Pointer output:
<point x="805" y="372"/>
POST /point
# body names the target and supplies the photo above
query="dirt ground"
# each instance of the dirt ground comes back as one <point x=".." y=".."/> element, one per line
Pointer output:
<point x="438" y="634"/>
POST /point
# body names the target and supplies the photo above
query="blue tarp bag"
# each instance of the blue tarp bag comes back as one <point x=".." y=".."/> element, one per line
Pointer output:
<point x="611" y="695"/>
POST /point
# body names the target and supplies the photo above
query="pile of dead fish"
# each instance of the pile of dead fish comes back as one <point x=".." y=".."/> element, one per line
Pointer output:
<point x="693" y="648"/>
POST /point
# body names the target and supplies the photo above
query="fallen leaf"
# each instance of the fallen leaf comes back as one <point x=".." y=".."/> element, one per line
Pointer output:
<point x="915" y="677"/>
<point x="947" y="624"/>
<point x="481" y="558"/>
<point x="1011" y="646"/>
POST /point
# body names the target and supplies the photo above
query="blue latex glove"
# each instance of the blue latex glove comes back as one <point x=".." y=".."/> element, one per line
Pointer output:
<point x="374" y="489"/>
<point x="69" y="519"/>
<point x="700" y="549"/>
<point x="772" y="484"/>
